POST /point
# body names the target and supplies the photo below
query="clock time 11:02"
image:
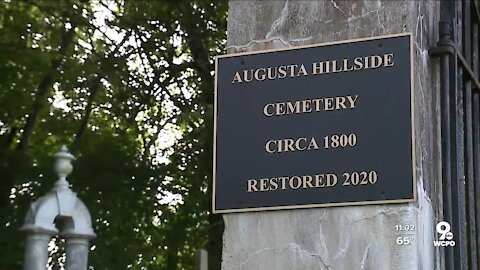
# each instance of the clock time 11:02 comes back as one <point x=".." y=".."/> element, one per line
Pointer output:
<point x="404" y="227"/>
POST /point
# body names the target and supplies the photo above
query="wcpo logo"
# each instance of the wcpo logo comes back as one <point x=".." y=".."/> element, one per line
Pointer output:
<point x="446" y="236"/>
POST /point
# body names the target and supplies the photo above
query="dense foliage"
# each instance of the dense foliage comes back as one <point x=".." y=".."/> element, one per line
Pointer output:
<point x="128" y="87"/>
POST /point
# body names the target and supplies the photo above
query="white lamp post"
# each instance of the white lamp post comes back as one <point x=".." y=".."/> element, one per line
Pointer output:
<point x="59" y="212"/>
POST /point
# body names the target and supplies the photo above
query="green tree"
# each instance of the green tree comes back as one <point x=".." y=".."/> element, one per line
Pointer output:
<point x="128" y="86"/>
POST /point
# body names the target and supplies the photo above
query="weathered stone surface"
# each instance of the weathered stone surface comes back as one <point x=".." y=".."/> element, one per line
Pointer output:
<point x="343" y="238"/>
<point x="36" y="251"/>
<point x="77" y="253"/>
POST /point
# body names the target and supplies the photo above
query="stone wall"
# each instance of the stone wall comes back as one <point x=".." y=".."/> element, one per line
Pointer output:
<point x="343" y="238"/>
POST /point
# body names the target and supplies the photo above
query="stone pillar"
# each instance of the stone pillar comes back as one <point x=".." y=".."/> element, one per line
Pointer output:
<point x="36" y="251"/>
<point x="77" y="253"/>
<point x="201" y="260"/>
<point x="352" y="237"/>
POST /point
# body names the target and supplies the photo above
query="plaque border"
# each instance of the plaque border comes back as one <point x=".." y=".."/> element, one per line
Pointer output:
<point x="321" y="205"/>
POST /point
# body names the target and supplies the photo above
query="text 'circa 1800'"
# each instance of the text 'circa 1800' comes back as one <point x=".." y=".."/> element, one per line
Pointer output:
<point x="316" y="126"/>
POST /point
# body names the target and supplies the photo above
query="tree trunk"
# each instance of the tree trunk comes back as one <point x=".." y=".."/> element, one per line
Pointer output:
<point x="86" y="116"/>
<point x="42" y="90"/>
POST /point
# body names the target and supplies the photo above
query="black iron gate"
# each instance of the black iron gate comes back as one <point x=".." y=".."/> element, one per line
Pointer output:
<point x="458" y="51"/>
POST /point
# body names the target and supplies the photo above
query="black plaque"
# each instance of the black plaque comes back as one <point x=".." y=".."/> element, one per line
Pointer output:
<point x="315" y="126"/>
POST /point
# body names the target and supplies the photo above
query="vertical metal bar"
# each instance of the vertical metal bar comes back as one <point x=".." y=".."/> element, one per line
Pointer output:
<point x="476" y="158"/>
<point x="475" y="47"/>
<point x="447" y="10"/>
<point x="458" y="181"/>
<point x="446" y="134"/>
<point x="458" y="178"/>
<point x="476" y="132"/>
<point x="468" y="137"/>
<point x="470" y="194"/>
<point x="466" y="31"/>
<point x="459" y="222"/>
<point x="448" y="15"/>
<point x="457" y="156"/>
<point x="475" y="11"/>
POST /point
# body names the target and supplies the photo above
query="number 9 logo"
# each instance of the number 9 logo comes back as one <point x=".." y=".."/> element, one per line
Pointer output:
<point x="443" y="228"/>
